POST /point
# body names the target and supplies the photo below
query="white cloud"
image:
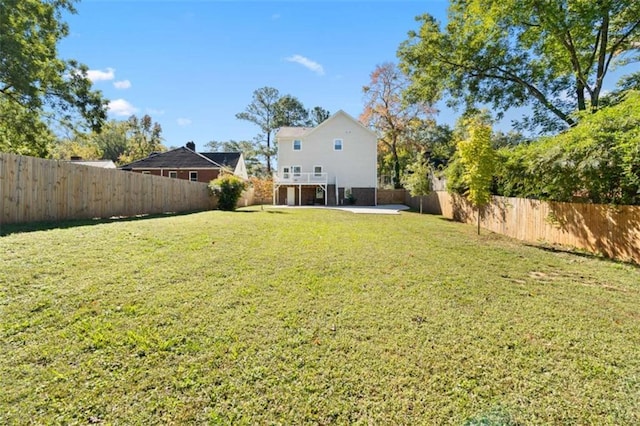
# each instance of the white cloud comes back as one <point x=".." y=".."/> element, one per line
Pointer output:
<point x="307" y="63"/>
<point x="122" y="108"/>
<point x="99" y="75"/>
<point x="123" y="84"/>
<point x="183" y="121"/>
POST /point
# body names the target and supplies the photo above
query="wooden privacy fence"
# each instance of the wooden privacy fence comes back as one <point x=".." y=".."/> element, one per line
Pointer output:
<point x="34" y="190"/>
<point x="613" y="231"/>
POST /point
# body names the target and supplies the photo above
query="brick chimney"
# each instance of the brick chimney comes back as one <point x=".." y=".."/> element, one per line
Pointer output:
<point x="191" y="145"/>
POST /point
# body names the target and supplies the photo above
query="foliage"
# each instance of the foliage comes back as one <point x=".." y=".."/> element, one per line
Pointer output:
<point x="270" y="111"/>
<point x="228" y="188"/>
<point x="596" y="161"/>
<point x="144" y="137"/>
<point x="262" y="112"/>
<point x="306" y="316"/>
<point x="416" y="180"/>
<point x="34" y="78"/>
<point x="386" y="112"/>
<point x="262" y="189"/>
<point x="248" y="150"/>
<point x="317" y="115"/>
<point x="553" y="55"/>
<point x="22" y="131"/>
<point x="477" y="159"/>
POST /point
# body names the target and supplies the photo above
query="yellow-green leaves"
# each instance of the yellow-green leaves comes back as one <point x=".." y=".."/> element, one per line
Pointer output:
<point x="478" y="160"/>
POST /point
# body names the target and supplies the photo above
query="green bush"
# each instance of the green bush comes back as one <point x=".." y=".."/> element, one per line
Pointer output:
<point x="596" y="161"/>
<point x="228" y="189"/>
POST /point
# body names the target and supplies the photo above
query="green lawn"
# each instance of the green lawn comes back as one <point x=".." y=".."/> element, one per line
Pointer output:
<point x="311" y="317"/>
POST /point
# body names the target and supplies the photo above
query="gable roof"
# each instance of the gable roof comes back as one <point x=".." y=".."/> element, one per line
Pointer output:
<point x="179" y="158"/>
<point x="294" y="132"/>
<point x="226" y="159"/>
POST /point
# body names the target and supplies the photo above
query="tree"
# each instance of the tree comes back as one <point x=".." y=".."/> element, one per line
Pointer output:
<point x="553" y="55"/>
<point x="22" y="131"/>
<point x="31" y="74"/>
<point x="290" y="112"/>
<point x="387" y="113"/>
<point x="317" y="115"/>
<point x="477" y="158"/>
<point x="248" y="150"/>
<point x="417" y="180"/>
<point x="262" y="112"/>
<point x="143" y="137"/>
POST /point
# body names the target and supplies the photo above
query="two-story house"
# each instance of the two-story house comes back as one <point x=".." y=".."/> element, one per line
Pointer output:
<point x="334" y="163"/>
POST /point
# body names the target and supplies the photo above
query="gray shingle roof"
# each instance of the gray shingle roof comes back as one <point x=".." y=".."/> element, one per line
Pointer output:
<point x="179" y="158"/>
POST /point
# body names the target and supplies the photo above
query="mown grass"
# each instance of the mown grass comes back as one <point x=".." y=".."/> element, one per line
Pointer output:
<point x="311" y="317"/>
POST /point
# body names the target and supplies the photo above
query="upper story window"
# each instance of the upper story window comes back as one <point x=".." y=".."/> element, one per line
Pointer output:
<point x="317" y="171"/>
<point x="337" y="144"/>
<point x="297" y="145"/>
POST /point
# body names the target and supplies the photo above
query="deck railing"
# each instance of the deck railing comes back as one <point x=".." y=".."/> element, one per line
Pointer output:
<point x="300" y="178"/>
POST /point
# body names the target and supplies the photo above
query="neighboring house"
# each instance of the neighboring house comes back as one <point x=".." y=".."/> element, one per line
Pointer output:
<point x="185" y="163"/>
<point x="332" y="164"/>
<point x="104" y="164"/>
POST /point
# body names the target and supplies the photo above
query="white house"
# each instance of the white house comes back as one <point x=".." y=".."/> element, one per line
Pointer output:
<point x="332" y="164"/>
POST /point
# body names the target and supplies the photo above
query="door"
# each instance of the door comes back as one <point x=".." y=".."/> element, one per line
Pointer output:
<point x="291" y="196"/>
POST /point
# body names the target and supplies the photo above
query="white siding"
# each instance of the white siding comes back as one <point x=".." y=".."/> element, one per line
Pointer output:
<point x="355" y="166"/>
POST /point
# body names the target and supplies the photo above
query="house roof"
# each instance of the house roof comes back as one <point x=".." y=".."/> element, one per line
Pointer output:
<point x="227" y="159"/>
<point x="105" y="164"/>
<point x="292" y="132"/>
<point x="296" y="132"/>
<point x="179" y="158"/>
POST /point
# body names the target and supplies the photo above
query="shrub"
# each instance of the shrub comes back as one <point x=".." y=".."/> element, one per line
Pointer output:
<point x="228" y="189"/>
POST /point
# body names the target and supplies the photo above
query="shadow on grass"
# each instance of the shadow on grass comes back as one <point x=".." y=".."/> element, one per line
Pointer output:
<point x="45" y="226"/>
<point x="579" y="253"/>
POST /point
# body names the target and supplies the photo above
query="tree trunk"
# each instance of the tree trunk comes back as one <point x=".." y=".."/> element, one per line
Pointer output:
<point x="268" y="154"/>
<point x="478" y="220"/>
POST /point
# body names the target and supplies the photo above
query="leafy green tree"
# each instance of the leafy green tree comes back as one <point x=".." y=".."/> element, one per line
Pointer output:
<point x="112" y="141"/>
<point x="31" y="74"/>
<point x="290" y="112"/>
<point x="477" y="159"/>
<point x="596" y="161"/>
<point x="248" y="150"/>
<point x="228" y="189"/>
<point x="143" y="137"/>
<point x="317" y="115"/>
<point x="387" y="113"/>
<point x="417" y="180"/>
<point x="262" y="111"/>
<point x="22" y="130"/>
<point x="554" y="55"/>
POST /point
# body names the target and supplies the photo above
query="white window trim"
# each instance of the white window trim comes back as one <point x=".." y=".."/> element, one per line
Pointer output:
<point x="293" y="145"/>
<point x="146" y="172"/>
<point x="317" y="174"/>
<point x="293" y="171"/>
<point x="190" y="172"/>
<point x="341" y="144"/>
<point x="175" y="174"/>
<point x="286" y="172"/>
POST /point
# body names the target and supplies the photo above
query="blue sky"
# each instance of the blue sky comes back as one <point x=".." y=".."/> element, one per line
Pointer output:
<point x="192" y="65"/>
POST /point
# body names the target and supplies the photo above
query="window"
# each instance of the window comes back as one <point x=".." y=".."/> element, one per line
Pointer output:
<point x="296" y="170"/>
<point x="337" y="144"/>
<point x="297" y="145"/>
<point x="173" y="174"/>
<point x="319" y="192"/>
<point x="146" y="172"/>
<point x="193" y="176"/>
<point x="317" y="171"/>
<point x="285" y="172"/>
